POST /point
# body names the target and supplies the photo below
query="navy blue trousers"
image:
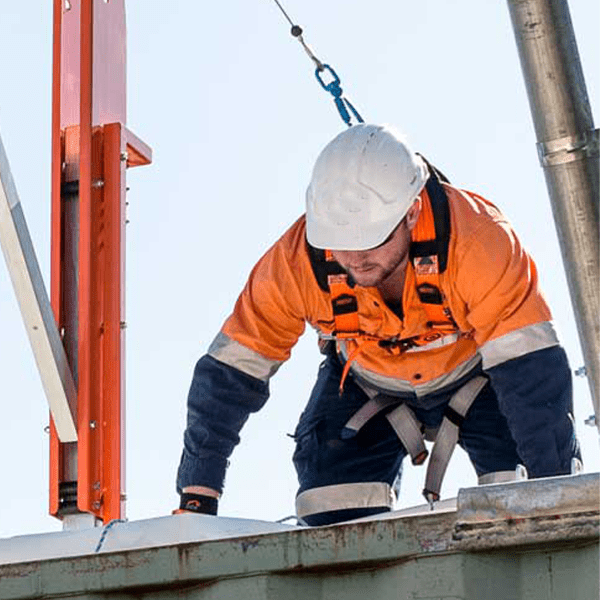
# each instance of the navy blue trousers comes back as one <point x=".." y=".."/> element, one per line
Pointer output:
<point x="375" y="454"/>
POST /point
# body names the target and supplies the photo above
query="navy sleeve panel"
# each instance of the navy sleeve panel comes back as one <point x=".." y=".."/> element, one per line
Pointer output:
<point x="219" y="403"/>
<point x="536" y="397"/>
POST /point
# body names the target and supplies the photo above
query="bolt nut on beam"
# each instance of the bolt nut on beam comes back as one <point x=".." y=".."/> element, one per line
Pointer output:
<point x="568" y="149"/>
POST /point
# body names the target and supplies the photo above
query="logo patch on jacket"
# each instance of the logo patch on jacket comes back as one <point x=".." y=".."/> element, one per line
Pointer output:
<point x="426" y="265"/>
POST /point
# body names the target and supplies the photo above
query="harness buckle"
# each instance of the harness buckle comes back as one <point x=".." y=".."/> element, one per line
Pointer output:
<point x="431" y="498"/>
<point x="420" y="458"/>
<point x="394" y="343"/>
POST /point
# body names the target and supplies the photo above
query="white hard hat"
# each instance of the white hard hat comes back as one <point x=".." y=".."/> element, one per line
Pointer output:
<point x="362" y="186"/>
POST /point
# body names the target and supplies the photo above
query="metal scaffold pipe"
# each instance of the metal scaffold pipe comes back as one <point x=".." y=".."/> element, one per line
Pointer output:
<point x="568" y="151"/>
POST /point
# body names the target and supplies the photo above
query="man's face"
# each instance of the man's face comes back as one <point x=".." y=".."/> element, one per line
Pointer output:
<point x="370" y="268"/>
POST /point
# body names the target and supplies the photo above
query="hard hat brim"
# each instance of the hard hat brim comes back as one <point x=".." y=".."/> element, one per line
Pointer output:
<point x="363" y="183"/>
<point x="350" y="237"/>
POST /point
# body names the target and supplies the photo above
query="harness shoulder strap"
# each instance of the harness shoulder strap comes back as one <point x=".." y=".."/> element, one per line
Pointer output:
<point x="429" y="252"/>
<point x="322" y="267"/>
<point x="431" y="236"/>
<point x="332" y="278"/>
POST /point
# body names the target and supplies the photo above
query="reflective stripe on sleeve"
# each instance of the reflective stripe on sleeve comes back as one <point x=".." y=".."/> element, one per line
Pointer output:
<point x="518" y="343"/>
<point x="344" y="496"/>
<point x="232" y="353"/>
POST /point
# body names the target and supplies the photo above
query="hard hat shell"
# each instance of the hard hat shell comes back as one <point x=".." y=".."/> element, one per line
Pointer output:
<point x="362" y="186"/>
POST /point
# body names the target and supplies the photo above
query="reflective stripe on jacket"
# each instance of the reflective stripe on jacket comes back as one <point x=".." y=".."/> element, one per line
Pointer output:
<point x="490" y="284"/>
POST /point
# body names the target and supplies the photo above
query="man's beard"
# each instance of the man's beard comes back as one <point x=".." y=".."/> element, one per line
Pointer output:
<point x="373" y="275"/>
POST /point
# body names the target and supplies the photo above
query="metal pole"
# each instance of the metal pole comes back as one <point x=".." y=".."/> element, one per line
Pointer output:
<point x="91" y="149"/>
<point x="568" y="151"/>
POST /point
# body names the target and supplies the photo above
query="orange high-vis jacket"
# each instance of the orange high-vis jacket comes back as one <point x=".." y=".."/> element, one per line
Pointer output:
<point x="490" y="286"/>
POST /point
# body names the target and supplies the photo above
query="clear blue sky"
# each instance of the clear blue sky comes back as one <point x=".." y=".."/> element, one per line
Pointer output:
<point x="229" y="103"/>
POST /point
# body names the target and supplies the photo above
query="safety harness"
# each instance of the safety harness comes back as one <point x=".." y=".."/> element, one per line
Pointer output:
<point x="428" y="254"/>
<point x="413" y="434"/>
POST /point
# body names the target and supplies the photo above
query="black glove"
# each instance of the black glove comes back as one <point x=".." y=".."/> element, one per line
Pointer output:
<point x="198" y="503"/>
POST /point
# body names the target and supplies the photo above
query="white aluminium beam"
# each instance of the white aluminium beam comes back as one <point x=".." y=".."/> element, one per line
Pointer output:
<point x="36" y="310"/>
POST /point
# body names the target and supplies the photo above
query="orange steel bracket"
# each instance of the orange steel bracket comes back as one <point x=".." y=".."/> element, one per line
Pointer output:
<point x="91" y="148"/>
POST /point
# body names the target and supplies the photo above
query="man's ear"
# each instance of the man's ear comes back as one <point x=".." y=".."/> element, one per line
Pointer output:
<point x="413" y="213"/>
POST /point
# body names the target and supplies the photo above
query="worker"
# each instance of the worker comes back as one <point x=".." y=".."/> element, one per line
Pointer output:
<point x="430" y="316"/>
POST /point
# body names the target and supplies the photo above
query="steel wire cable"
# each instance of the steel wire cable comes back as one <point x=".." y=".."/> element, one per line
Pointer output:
<point x="333" y="87"/>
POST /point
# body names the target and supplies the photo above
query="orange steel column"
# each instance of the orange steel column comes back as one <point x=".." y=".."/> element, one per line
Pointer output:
<point x="91" y="149"/>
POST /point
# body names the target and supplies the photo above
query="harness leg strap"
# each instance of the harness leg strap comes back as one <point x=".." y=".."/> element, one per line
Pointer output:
<point x="447" y="436"/>
<point x="408" y="429"/>
<point x="402" y="420"/>
<point x="365" y="413"/>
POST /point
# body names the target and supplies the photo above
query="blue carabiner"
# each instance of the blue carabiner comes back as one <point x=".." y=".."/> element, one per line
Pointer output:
<point x="335" y="89"/>
<point x="332" y="87"/>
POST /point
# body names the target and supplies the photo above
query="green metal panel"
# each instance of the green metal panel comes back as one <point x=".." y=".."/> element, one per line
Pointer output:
<point x="259" y="569"/>
<point x="493" y="576"/>
<point x="503" y="548"/>
<point x="560" y="575"/>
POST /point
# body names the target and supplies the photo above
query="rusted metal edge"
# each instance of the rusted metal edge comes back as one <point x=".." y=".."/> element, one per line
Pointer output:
<point x="530" y="499"/>
<point x="356" y="546"/>
<point x="539" y="511"/>
<point x="557" y="529"/>
<point x="337" y="548"/>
